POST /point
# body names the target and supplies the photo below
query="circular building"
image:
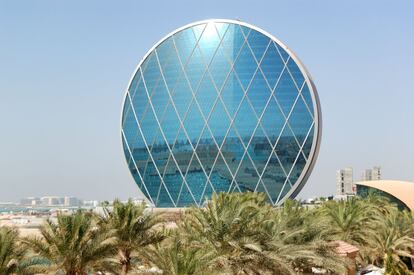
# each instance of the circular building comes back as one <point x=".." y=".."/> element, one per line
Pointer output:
<point x="220" y="106"/>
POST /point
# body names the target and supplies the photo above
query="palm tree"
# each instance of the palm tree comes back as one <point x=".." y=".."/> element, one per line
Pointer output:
<point x="13" y="256"/>
<point x="349" y="221"/>
<point x="134" y="228"/>
<point x="176" y="257"/>
<point x="73" y="244"/>
<point x="394" y="241"/>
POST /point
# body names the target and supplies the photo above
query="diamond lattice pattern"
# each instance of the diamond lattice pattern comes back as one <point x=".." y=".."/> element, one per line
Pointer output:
<point x="217" y="107"/>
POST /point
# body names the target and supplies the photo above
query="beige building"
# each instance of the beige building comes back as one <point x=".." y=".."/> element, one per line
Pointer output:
<point x="345" y="182"/>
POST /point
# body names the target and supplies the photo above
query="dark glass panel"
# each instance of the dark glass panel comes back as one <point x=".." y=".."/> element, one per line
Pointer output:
<point x="262" y="189"/>
<point x="206" y="150"/>
<point x="297" y="168"/>
<point x="182" y="151"/>
<point x="164" y="199"/>
<point x="246" y="176"/>
<point x="232" y="150"/>
<point x="208" y="192"/>
<point x="172" y="71"/>
<point x="258" y="43"/>
<point x="164" y="52"/>
<point x="272" y="65"/>
<point x="285" y="56"/>
<point x="220" y="176"/>
<point x="159" y="99"/>
<point x="308" y="144"/>
<point x="152" y="181"/>
<point x="245" y="30"/>
<point x="258" y="93"/>
<point x="173" y="179"/>
<point x="140" y="101"/>
<point x="149" y="127"/>
<point x="135" y="82"/>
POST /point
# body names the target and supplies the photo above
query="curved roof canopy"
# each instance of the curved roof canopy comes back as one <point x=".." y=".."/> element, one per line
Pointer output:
<point x="402" y="190"/>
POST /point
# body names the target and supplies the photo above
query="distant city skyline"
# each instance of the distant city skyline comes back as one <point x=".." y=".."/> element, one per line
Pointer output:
<point x="65" y="67"/>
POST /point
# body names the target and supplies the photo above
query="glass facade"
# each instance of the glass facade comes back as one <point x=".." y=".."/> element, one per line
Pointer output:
<point x="219" y="106"/>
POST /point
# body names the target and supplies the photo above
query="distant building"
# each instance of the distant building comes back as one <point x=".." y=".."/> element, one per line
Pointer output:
<point x="72" y="201"/>
<point x="371" y="174"/>
<point x="345" y="182"/>
<point x="30" y="201"/>
<point x="52" y="201"/>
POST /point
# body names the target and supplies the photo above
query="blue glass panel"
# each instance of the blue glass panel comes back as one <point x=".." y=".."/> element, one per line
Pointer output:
<point x="245" y="30"/>
<point x="272" y="65"/>
<point x="209" y="42"/>
<point x="232" y="94"/>
<point x="164" y="199"/>
<point x="159" y="99"/>
<point x="286" y="92"/>
<point x="232" y="150"/>
<point x="196" y="179"/>
<point x="173" y="179"/>
<point x="194" y="123"/>
<point x="182" y="97"/>
<point x="170" y="124"/>
<point x="246" y="176"/>
<point x="152" y="74"/>
<point x="140" y="101"/>
<point x="272" y="121"/>
<point x="258" y="43"/>
<point x="285" y="56"/>
<point x="297" y="168"/>
<point x="185" y="198"/>
<point x="287" y="149"/>
<point x="233" y="41"/>
<point x="296" y="73"/>
<point x="300" y="120"/>
<point x="195" y="69"/>
<point x="221" y="28"/>
<point x="206" y="95"/>
<point x="220" y="177"/>
<point x="219" y="68"/>
<point x="274" y="178"/>
<point x="198" y="30"/>
<point x="308" y="144"/>
<point x="149" y="123"/>
<point x="185" y="42"/>
<point x="208" y="192"/>
<point x="182" y="151"/>
<point x="308" y="98"/>
<point x="219" y="122"/>
<point x="259" y="149"/>
<point x="172" y="71"/>
<point x="152" y="181"/>
<point x="135" y="81"/>
<point x="164" y="51"/>
<point x="261" y="189"/>
<point x="258" y="93"/>
<point x="245" y="121"/>
<point x="245" y="66"/>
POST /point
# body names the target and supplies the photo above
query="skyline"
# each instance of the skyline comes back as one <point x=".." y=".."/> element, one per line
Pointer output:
<point x="61" y="123"/>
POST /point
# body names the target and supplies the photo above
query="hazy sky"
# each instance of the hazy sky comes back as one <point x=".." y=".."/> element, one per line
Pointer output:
<point x="64" y="67"/>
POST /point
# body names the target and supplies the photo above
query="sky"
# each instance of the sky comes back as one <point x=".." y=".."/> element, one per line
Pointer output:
<point x="65" y="65"/>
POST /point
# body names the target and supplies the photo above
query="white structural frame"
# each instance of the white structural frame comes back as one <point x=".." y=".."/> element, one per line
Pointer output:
<point x="317" y="119"/>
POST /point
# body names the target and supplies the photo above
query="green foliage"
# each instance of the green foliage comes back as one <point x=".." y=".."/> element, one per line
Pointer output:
<point x="232" y="234"/>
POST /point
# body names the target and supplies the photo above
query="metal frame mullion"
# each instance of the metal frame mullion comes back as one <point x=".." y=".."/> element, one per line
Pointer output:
<point x="145" y="142"/>
<point x="136" y="167"/>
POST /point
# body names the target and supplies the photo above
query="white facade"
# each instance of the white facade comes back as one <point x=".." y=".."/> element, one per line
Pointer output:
<point x="345" y="182"/>
<point x="371" y="174"/>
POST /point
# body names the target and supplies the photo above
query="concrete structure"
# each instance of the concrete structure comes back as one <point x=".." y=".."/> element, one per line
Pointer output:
<point x="220" y="106"/>
<point x="345" y="182"/>
<point x="371" y="174"/>
<point x="400" y="192"/>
